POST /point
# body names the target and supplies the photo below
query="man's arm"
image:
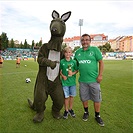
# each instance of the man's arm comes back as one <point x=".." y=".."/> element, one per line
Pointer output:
<point x="101" y="67"/>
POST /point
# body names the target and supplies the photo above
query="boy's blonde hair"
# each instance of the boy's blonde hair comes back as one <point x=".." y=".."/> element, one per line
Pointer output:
<point x="67" y="49"/>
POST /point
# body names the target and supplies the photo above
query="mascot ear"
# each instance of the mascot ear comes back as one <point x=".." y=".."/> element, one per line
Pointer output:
<point x="55" y="14"/>
<point x="66" y="16"/>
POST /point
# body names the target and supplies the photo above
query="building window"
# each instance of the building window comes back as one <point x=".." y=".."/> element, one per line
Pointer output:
<point x="97" y="38"/>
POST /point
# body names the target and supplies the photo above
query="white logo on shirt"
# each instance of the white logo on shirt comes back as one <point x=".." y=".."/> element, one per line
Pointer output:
<point x="84" y="61"/>
<point x="91" y="53"/>
<point x="79" y="54"/>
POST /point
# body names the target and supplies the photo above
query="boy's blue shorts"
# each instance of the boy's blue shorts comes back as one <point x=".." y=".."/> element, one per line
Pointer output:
<point x="69" y="91"/>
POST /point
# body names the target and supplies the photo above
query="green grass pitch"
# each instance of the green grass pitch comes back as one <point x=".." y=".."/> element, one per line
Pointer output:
<point x="116" y="107"/>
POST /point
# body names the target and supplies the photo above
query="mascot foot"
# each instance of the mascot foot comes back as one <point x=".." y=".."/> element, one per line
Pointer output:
<point x="56" y="115"/>
<point x="30" y="104"/>
<point x="38" y="117"/>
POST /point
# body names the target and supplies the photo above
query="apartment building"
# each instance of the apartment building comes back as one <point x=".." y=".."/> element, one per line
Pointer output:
<point x="72" y="42"/>
<point x="122" y="43"/>
<point x="115" y="43"/>
<point x="126" y="44"/>
<point x="96" y="40"/>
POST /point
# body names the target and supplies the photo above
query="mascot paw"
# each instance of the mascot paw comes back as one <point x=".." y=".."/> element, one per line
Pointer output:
<point x="53" y="64"/>
<point x="38" y="117"/>
<point x="56" y="115"/>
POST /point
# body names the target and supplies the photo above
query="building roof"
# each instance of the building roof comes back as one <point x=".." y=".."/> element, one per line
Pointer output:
<point x="78" y="37"/>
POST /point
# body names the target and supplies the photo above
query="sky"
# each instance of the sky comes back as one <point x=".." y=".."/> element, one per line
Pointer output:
<point x="31" y="19"/>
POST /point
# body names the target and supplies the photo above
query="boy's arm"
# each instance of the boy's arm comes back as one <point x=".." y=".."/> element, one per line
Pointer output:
<point x="63" y="76"/>
<point x="75" y="72"/>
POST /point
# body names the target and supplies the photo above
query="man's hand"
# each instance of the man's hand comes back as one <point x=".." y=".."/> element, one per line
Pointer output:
<point x="99" y="78"/>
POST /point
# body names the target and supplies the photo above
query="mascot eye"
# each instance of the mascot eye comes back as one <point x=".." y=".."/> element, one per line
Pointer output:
<point x="62" y="22"/>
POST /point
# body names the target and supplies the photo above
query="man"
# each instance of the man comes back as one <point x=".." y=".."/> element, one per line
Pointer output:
<point x="88" y="57"/>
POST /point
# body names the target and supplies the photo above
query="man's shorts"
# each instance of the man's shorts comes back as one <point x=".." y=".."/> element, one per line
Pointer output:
<point x="69" y="91"/>
<point x="90" y="91"/>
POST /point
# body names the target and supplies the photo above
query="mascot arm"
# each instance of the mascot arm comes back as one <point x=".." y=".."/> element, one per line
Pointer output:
<point x="46" y="62"/>
<point x="43" y="60"/>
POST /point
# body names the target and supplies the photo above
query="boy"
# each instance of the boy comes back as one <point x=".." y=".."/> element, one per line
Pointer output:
<point x="68" y="77"/>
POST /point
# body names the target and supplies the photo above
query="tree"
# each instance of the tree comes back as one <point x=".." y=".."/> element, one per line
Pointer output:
<point x="4" y="41"/>
<point x="32" y="46"/>
<point x="25" y="44"/>
<point x="105" y="48"/>
<point x="21" y="45"/>
<point x="37" y="45"/>
<point x="12" y="43"/>
<point x="63" y="46"/>
<point x="40" y="43"/>
<point x="75" y="48"/>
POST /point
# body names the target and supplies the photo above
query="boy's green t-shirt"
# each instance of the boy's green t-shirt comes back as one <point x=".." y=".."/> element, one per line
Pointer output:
<point x="88" y="63"/>
<point x="64" y="66"/>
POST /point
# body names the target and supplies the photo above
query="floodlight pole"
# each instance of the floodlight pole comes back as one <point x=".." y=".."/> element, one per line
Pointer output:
<point x="80" y="24"/>
<point x="80" y="31"/>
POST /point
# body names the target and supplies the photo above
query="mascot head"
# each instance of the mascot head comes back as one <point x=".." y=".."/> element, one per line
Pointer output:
<point x="57" y="29"/>
<point x="57" y="26"/>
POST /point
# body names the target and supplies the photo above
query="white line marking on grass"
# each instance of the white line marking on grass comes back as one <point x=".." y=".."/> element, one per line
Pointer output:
<point x="17" y="73"/>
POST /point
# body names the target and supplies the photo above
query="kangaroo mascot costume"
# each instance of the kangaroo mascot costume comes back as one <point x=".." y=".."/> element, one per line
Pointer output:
<point x="48" y="77"/>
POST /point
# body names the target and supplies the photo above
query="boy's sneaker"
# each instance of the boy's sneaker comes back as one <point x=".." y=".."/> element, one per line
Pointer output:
<point x="85" y="116"/>
<point x="99" y="121"/>
<point x="65" y="115"/>
<point x="71" y="112"/>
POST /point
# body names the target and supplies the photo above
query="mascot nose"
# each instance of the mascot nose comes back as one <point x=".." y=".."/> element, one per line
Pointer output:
<point x="54" y="29"/>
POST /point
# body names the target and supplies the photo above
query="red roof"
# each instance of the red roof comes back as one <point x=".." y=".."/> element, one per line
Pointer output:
<point x="78" y="37"/>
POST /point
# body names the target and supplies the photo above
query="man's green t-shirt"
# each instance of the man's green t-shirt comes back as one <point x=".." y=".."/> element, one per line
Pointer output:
<point x="64" y="66"/>
<point x="88" y="63"/>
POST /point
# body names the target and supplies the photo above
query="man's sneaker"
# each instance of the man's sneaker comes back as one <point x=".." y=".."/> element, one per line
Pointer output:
<point x="65" y="115"/>
<point x="99" y="121"/>
<point x="71" y="112"/>
<point x="85" y="116"/>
